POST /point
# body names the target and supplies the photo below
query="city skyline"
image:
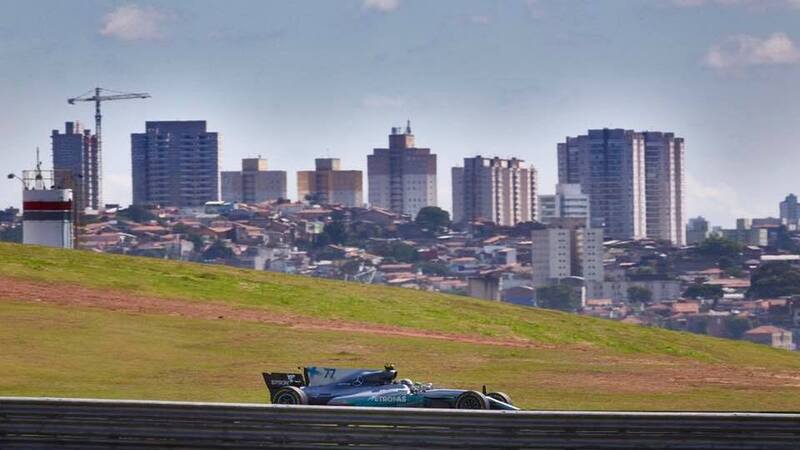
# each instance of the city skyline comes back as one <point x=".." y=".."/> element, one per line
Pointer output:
<point x="727" y="90"/>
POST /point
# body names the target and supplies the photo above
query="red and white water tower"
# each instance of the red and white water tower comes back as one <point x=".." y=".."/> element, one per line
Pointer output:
<point x="47" y="209"/>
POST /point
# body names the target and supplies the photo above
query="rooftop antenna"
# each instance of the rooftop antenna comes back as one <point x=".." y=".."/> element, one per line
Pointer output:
<point x="39" y="178"/>
<point x="408" y="126"/>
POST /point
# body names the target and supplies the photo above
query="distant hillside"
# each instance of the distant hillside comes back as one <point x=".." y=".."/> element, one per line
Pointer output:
<point x="93" y="325"/>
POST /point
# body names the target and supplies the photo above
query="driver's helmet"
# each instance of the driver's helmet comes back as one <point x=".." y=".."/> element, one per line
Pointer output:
<point x="407" y="382"/>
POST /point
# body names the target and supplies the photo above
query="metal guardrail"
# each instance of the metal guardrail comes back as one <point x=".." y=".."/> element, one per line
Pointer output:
<point x="80" y="423"/>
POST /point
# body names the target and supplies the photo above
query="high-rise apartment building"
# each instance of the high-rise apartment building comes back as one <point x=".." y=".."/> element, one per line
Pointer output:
<point x="569" y="201"/>
<point x="697" y="230"/>
<point x="567" y="248"/>
<point x="402" y="178"/>
<point x="609" y="166"/>
<point x="76" y="165"/>
<point x="175" y="163"/>
<point x="634" y="181"/>
<point x="664" y="186"/>
<point x="255" y="183"/>
<point x="790" y="213"/>
<point x="330" y="185"/>
<point x="498" y="190"/>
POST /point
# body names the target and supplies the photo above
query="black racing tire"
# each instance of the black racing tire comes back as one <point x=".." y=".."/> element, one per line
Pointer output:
<point x="471" y="400"/>
<point x="290" y="395"/>
<point x="500" y="396"/>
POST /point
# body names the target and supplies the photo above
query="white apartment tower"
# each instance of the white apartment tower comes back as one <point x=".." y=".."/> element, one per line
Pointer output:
<point x="566" y="248"/>
<point x="402" y="178"/>
<point x="569" y="201"/>
<point x="664" y="187"/>
<point x="498" y="190"/>
<point x="635" y="181"/>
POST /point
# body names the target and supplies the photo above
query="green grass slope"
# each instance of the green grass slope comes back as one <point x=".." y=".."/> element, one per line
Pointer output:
<point x="572" y="363"/>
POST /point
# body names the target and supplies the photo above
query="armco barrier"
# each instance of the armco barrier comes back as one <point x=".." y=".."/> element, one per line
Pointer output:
<point x="78" y="423"/>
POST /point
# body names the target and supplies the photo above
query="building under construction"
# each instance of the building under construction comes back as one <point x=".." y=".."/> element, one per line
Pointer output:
<point x="76" y="164"/>
<point x="86" y="164"/>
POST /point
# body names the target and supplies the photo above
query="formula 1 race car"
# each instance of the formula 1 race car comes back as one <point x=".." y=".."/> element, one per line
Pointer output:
<point x="366" y="387"/>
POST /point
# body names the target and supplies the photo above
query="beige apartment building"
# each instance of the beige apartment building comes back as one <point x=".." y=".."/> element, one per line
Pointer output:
<point x="498" y="190"/>
<point x="329" y="185"/>
<point x="255" y="183"/>
<point x="402" y="178"/>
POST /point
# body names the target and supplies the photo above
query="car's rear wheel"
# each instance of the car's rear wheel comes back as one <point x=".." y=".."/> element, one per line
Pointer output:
<point x="500" y="397"/>
<point x="471" y="400"/>
<point x="290" y="395"/>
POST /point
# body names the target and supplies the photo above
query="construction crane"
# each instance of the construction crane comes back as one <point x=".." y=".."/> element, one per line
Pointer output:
<point x="99" y="95"/>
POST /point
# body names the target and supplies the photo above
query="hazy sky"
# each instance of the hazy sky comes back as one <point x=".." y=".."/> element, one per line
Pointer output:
<point x="294" y="80"/>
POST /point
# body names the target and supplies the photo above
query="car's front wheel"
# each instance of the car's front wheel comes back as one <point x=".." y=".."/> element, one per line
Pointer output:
<point x="471" y="400"/>
<point x="501" y="397"/>
<point x="290" y="395"/>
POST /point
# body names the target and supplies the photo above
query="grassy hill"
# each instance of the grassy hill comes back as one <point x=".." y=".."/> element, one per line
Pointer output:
<point x="92" y="325"/>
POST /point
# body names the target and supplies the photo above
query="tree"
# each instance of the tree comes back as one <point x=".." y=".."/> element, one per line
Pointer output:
<point x="726" y="262"/>
<point x="362" y="231"/>
<point x="350" y="267"/>
<point x="12" y="234"/>
<point x="314" y="198"/>
<point x="402" y="252"/>
<point x="703" y="291"/>
<point x="561" y="297"/>
<point x="737" y="326"/>
<point x="218" y="250"/>
<point x="138" y="214"/>
<point x="336" y="232"/>
<point x="717" y="247"/>
<point x="433" y="218"/>
<point x="774" y="279"/>
<point x="396" y="250"/>
<point x="784" y="241"/>
<point x="734" y="272"/>
<point x="639" y="294"/>
<point x="197" y="241"/>
<point x="190" y="234"/>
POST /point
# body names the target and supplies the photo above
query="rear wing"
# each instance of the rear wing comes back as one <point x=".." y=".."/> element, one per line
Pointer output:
<point x="277" y="380"/>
